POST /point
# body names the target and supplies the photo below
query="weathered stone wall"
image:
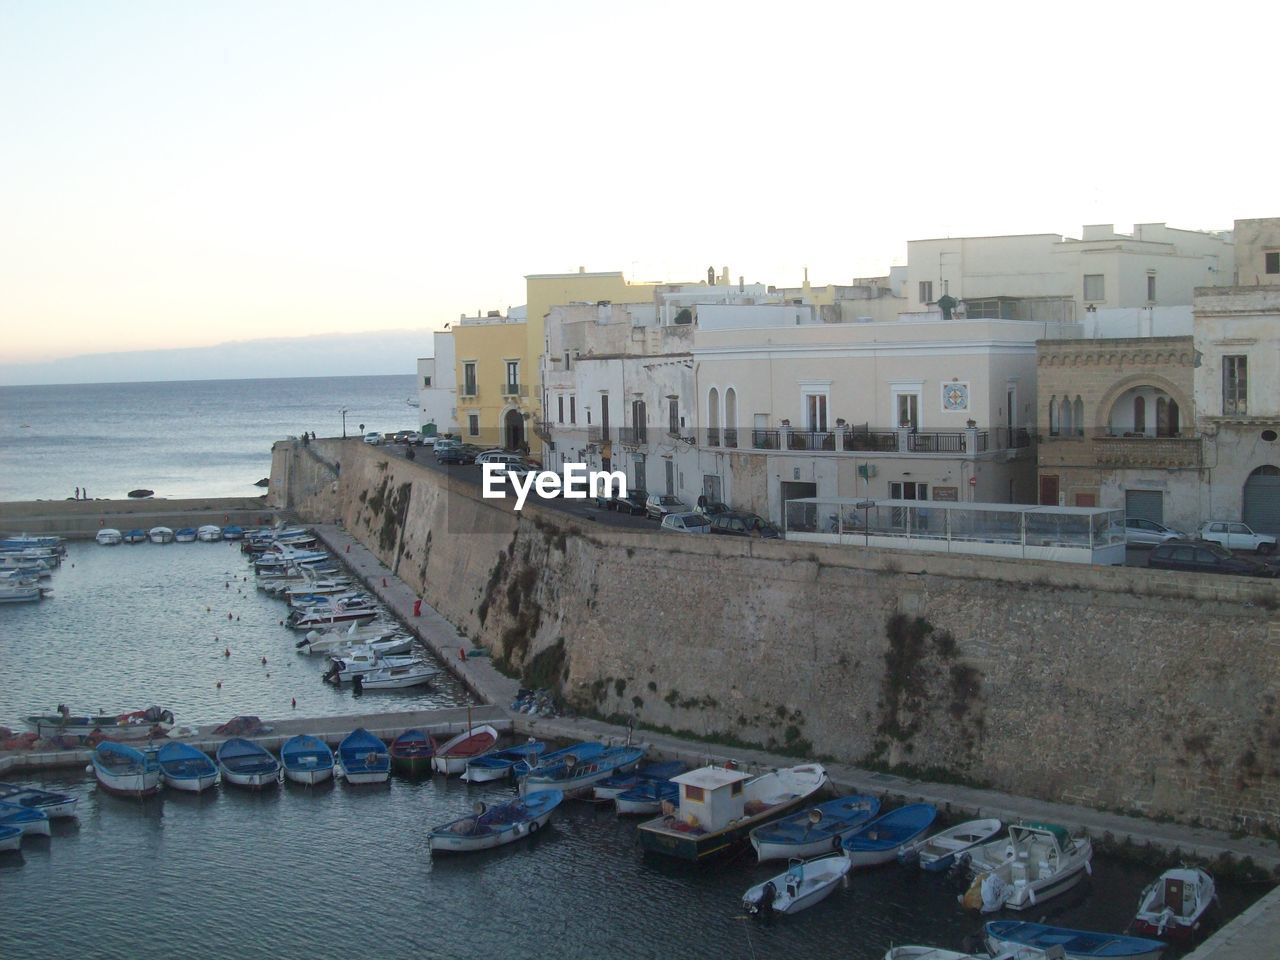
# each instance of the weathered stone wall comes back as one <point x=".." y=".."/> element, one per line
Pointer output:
<point x="1122" y="689"/>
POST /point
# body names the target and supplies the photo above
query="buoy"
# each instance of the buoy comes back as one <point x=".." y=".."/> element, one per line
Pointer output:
<point x="226" y="652"/>
<point x="227" y="584"/>
<point x="219" y="684"/>
<point x="208" y="609"/>
<point x="417" y="608"/>
<point x="89" y="768"/>
<point x="237" y="618"/>
<point x="228" y="616"/>
<point x="462" y="654"/>
<point x="264" y="661"/>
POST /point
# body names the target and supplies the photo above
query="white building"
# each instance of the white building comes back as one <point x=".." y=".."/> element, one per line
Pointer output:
<point x="437" y="390"/>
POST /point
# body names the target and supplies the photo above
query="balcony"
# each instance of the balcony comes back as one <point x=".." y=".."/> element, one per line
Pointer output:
<point x="542" y="430"/>
<point x="468" y="391"/>
<point x="766" y="439"/>
<point x="633" y="436"/>
<point x="810" y="440"/>
<point x="871" y="441"/>
<point x="713" y="436"/>
<point x="514" y="389"/>
<point x="730" y="436"/>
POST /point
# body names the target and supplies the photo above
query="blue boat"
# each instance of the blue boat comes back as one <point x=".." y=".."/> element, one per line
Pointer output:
<point x="494" y="826"/>
<point x="574" y="776"/>
<point x="233" y="532"/>
<point x="183" y="767"/>
<point x="582" y="751"/>
<point x="136" y="535"/>
<point x="245" y="764"/>
<point x="122" y="770"/>
<point x="55" y="805"/>
<point x="30" y="821"/>
<point x="306" y="759"/>
<point x="10" y="838"/>
<point x="498" y="765"/>
<point x="610" y="787"/>
<point x="185" y="535"/>
<point x="815" y="831"/>
<point x="1006" y="936"/>
<point x="364" y="758"/>
<point x="646" y="797"/>
<point x="878" y="841"/>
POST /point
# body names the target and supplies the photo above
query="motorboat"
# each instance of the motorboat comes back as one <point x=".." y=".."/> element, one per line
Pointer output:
<point x="109" y="537"/>
<point x="499" y="764"/>
<point x="1034" y="862"/>
<point x="495" y="826"/>
<point x="56" y="806"/>
<point x="341" y="611"/>
<point x="1175" y="905"/>
<point x="246" y="764"/>
<point x="136" y="535"/>
<point x="942" y="850"/>
<point x="813" y="832"/>
<point x="209" y="533"/>
<point x="304" y="594"/>
<point x="452" y="755"/>
<point x="185" y="535"/>
<point x="411" y="753"/>
<point x="32" y="821"/>
<point x="21" y="592"/>
<point x="160" y="535"/>
<point x="804" y="884"/>
<point x="35" y="542"/>
<point x="186" y="768"/>
<point x="306" y="759"/>
<point x="414" y="674"/>
<point x="233" y="532"/>
<point x="878" y="841"/>
<point x="132" y="725"/>
<point x="390" y="644"/>
<point x="1009" y="936"/>
<point x="351" y="633"/>
<point x="363" y="758"/>
<point x="720" y="806"/>
<point x="125" y="771"/>
<point x="360" y="662"/>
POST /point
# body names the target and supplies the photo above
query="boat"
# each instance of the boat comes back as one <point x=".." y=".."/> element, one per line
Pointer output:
<point x="411" y="753"/>
<point x="363" y="758"/>
<point x="499" y="764"/>
<point x="310" y="589"/>
<point x="879" y="840"/>
<point x="813" y="832"/>
<point x="646" y="798"/>
<point x="1007" y="936"/>
<point x="34" y="542"/>
<point x="1034" y="862"/>
<point x="804" y="884"/>
<point x="453" y="755"/>
<point x="185" y="535"/>
<point x="494" y="826"/>
<point x="391" y="644"/>
<point x="109" y="537"/>
<point x="55" y="805"/>
<point x="160" y="535"/>
<point x="616" y="784"/>
<point x="340" y="612"/>
<point x="397" y="678"/>
<point x="209" y="533"/>
<point x="125" y="771"/>
<point x="306" y="759"/>
<point x="720" y="806"/>
<point x="136" y="535"/>
<point x="917" y="952"/>
<point x="245" y="764"/>
<point x="21" y="592"/>
<point x="575" y="777"/>
<point x="1175" y="905"/>
<point x="942" y="850"/>
<point x="133" y="725"/>
<point x="185" y="768"/>
<point x="10" y="838"/>
<point x="583" y="750"/>
<point x="233" y="532"/>
<point x="353" y="633"/>
<point x="32" y="821"/>
<point x="359" y="662"/>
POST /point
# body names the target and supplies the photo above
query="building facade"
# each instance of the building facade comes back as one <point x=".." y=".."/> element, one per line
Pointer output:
<point x="437" y="395"/>
<point x="495" y="377"/>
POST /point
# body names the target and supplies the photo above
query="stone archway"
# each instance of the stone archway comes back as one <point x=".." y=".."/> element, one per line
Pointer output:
<point x="513" y="430"/>
<point x="1260" y="504"/>
<point x="1101" y="415"/>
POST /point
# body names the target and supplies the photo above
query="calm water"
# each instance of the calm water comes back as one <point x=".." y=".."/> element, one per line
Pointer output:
<point x="207" y="438"/>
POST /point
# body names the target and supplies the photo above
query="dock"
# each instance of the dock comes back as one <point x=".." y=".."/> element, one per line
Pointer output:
<point x="81" y="519"/>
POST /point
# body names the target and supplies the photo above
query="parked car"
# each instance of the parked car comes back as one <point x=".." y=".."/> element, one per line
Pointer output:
<point x="446" y="443"/>
<point x="428" y="441"/>
<point x="1204" y="556"/>
<point x="373" y="437"/>
<point x="660" y="504"/>
<point x="499" y="456"/>
<point x="686" y="523"/>
<point x="462" y="453"/>
<point x="634" y="502"/>
<point x="1237" y="536"/>
<point x="736" y="524"/>
<point x="1147" y="533"/>
<point x="711" y="508"/>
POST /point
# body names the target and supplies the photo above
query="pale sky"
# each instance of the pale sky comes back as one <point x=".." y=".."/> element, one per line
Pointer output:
<point x="177" y="174"/>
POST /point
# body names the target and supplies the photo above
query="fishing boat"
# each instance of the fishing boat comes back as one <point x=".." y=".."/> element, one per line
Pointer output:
<point x="160" y="535"/>
<point x="583" y="750"/>
<point x="185" y="535"/>
<point x="31" y="821"/>
<point x="414" y="674"/>
<point x="494" y="826"/>
<point x="804" y="884"/>
<point x="135" y="535"/>
<point x="133" y="725"/>
<point x="616" y="784"/>
<point x="720" y="806"/>
<point x="453" y="755"/>
<point x="122" y="770"/>
<point x="1034" y="862"/>
<point x="879" y="840"/>
<point x="21" y="592"/>
<point x="1007" y="936"/>
<point x="209" y="533"/>
<point x="646" y="798"/>
<point x="942" y="850"/>
<point x="10" y="838"/>
<point x="109" y="537"/>
<point x="183" y="767"/>
<point x="411" y="753"/>
<point x="359" y="662"/>
<point x="813" y="832"/>
<point x="499" y="764"/>
<point x="306" y="759"/>
<point x="391" y="644"/>
<point x="917" y="952"/>
<point x="233" y="532"/>
<point x="245" y="764"/>
<point x="55" y="805"/>
<point x="1176" y="904"/>
<point x="575" y="777"/>
<point x="363" y="758"/>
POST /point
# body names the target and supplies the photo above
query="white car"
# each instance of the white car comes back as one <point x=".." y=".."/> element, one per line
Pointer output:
<point x="499" y="456"/>
<point x="373" y="437"/>
<point x="1237" y="536"/>
<point x="1147" y="533"/>
<point x="686" y="523"/>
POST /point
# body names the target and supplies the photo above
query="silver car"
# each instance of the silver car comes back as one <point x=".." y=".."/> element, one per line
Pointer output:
<point x="686" y="523"/>
<point x="660" y="504"/>
<point x="1147" y="533"/>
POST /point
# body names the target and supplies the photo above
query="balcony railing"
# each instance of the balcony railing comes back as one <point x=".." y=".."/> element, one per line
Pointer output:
<point x="514" y="389"/>
<point x="766" y="439"/>
<point x="810" y="440"/>
<point x="633" y="435"/>
<point x="864" y="438"/>
<point x="935" y="441"/>
<point x="468" y="392"/>
<point x="713" y="436"/>
<point x="730" y="436"/>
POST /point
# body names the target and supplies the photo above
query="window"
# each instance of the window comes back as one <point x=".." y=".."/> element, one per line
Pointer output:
<point x="513" y="377"/>
<point x="469" y="379"/>
<point x="1095" y="287"/>
<point x="573" y="409"/>
<point x="604" y="417"/>
<point x="899" y="490"/>
<point x="426" y="381"/>
<point x="1151" y="288"/>
<point x="567" y="364"/>
<point x="1077" y="417"/>
<point x="1053" y="416"/>
<point x="639" y="421"/>
<point x="909" y="410"/>
<point x="695" y="794"/>
<point x="673" y="416"/>
<point x="1272" y="259"/>
<point x="473" y="424"/>
<point x="560" y="409"/>
<point x="1139" y="415"/>
<point x="926" y="291"/>
<point x="815" y="412"/>
<point x="1235" y="386"/>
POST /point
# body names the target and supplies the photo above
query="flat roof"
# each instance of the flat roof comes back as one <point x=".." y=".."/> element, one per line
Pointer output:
<point x="867" y="503"/>
<point x="711" y="778"/>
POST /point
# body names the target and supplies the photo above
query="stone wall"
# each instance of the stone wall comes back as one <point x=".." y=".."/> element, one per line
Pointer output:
<point x="1122" y="689"/>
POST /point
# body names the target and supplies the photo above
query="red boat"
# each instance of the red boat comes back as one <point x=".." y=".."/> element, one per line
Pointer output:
<point x="452" y="755"/>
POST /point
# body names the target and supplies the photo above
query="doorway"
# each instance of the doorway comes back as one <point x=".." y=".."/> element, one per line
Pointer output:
<point x="513" y="430"/>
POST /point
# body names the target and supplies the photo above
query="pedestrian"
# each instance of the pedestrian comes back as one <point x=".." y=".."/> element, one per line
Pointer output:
<point x="77" y="493"/>
<point x="85" y="491"/>
<point x="313" y="434"/>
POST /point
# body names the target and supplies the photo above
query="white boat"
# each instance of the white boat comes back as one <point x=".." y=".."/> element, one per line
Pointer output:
<point x="351" y="633"/>
<point x="30" y="820"/>
<point x="306" y="760"/>
<point x="246" y="764"/>
<point x="1034" y="862"/>
<point x="160" y="535"/>
<point x="185" y="535"/>
<point x="452" y="756"/>
<point x="132" y="725"/>
<point x="804" y="884"/>
<point x="304" y="593"/>
<point x="187" y="768"/>
<point x="1174" y="906"/>
<point x="342" y="611"/>
<point x="943" y="849"/>
<point x="342" y="669"/>
<point x="394" y="678"/>
<point x="109" y="537"/>
<point x="495" y="826"/>
<point x="20" y="592"/>
<point x="914" y="952"/>
<point x="392" y="644"/>
<point x="577" y="777"/>
<point x="56" y="806"/>
<point x="121" y="769"/>
<point x="209" y="533"/>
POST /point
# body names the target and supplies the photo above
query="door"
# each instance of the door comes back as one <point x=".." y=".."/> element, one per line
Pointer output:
<point x="711" y="488"/>
<point x="671" y="477"/>
<point x="1144" y="504"/>
<point x="514" y="424"/>
<point x="1048" y="491"/>
<point x="1261" y="503"/>
<point x="800" y="516"/>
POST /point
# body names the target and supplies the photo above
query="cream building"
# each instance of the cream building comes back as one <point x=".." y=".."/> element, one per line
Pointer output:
<point x="495" y="377"/>
<point x="437" y="394"/>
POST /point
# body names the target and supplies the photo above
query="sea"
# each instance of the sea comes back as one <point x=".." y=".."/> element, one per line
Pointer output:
<point x="339" y="871"/>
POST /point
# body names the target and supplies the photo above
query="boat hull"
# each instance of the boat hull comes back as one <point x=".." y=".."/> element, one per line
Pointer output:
<point x="10" y="838"/>
<point x="460" y="844"/>
<point x="308" y="778"/>
<point x="367" y="776"/>
<point x="196" y="784"/>
<point x="251" y="781"/>
<point x="145" y="784"/>
<point x="486" y="774"/>
<point x="699" y="848"/>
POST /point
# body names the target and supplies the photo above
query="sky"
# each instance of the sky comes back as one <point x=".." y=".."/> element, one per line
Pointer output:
<point x="186" y="174"/>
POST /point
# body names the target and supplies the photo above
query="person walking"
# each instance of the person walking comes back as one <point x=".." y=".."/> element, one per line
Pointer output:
<point x="77" y="493"/>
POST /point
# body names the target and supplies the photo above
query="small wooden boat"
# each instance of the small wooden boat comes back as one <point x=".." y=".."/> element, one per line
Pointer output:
<point x="134" y="725"/>
<point x="414" y="674"/>
<point x="306" y="759"/>
<point x="10" y="838"/>
<point x="498" y="765"/>
<point x="183" y="767"/>
<point x="942" y="850"/>
<point x="646" y="798"/>
<point x="363" y="758"/>
<point x="584" y="750"/>
<point x="109" y="537"/>
<point x="495" y="826"/>
<point x="916" y="952"/>
<point x="411" y="753"/>
<point x="160" y="535"/>
<point x="815" y="831"/>
<point x="1034" y="862"/>
<point x="135" y="536"/>
<point x="122" y="770"/>
<point x="245" y="764"/>
<point x="233" y="532"/>
<point x="453" y="755"/>
<point x="32" y="822"/>
<point x="804" y="884"/>
<point x="1007" y="936"/>
<point x="574" y="777"/>
<point x="55" y="805"/>
<point x="209" y="533"/>
<point x="879" y="840"/>
<point x="612" y="786"/>
<point x="1175" y="905"/>
<point x="185" y="535"/>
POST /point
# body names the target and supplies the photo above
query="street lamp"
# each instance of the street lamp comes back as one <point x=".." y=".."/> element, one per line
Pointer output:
<point x="343" y="411"/>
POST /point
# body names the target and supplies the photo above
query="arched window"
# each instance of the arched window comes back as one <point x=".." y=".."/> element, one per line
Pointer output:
<point x="1053" y="416"/>
<point x="1162" y="417"/>
<point x="713" y="417"/>
<point x="730" y="417"/>
<point x="1066" y="417"/>
<point x="1140" y="413"/>
<point x="1175" y="427"/>
<point x="1077" y="416"/>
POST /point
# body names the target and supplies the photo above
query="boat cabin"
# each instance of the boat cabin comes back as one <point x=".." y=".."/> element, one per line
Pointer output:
<point x="712" y="797"/>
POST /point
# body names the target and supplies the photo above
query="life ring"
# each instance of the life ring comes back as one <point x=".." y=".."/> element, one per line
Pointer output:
<point x="533" y="826"/>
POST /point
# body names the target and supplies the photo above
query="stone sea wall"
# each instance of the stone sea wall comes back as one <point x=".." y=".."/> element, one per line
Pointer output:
<point x="1121" y="689"/>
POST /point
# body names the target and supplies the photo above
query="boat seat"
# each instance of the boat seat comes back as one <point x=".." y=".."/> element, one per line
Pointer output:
<point x="1043" y="869"/>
